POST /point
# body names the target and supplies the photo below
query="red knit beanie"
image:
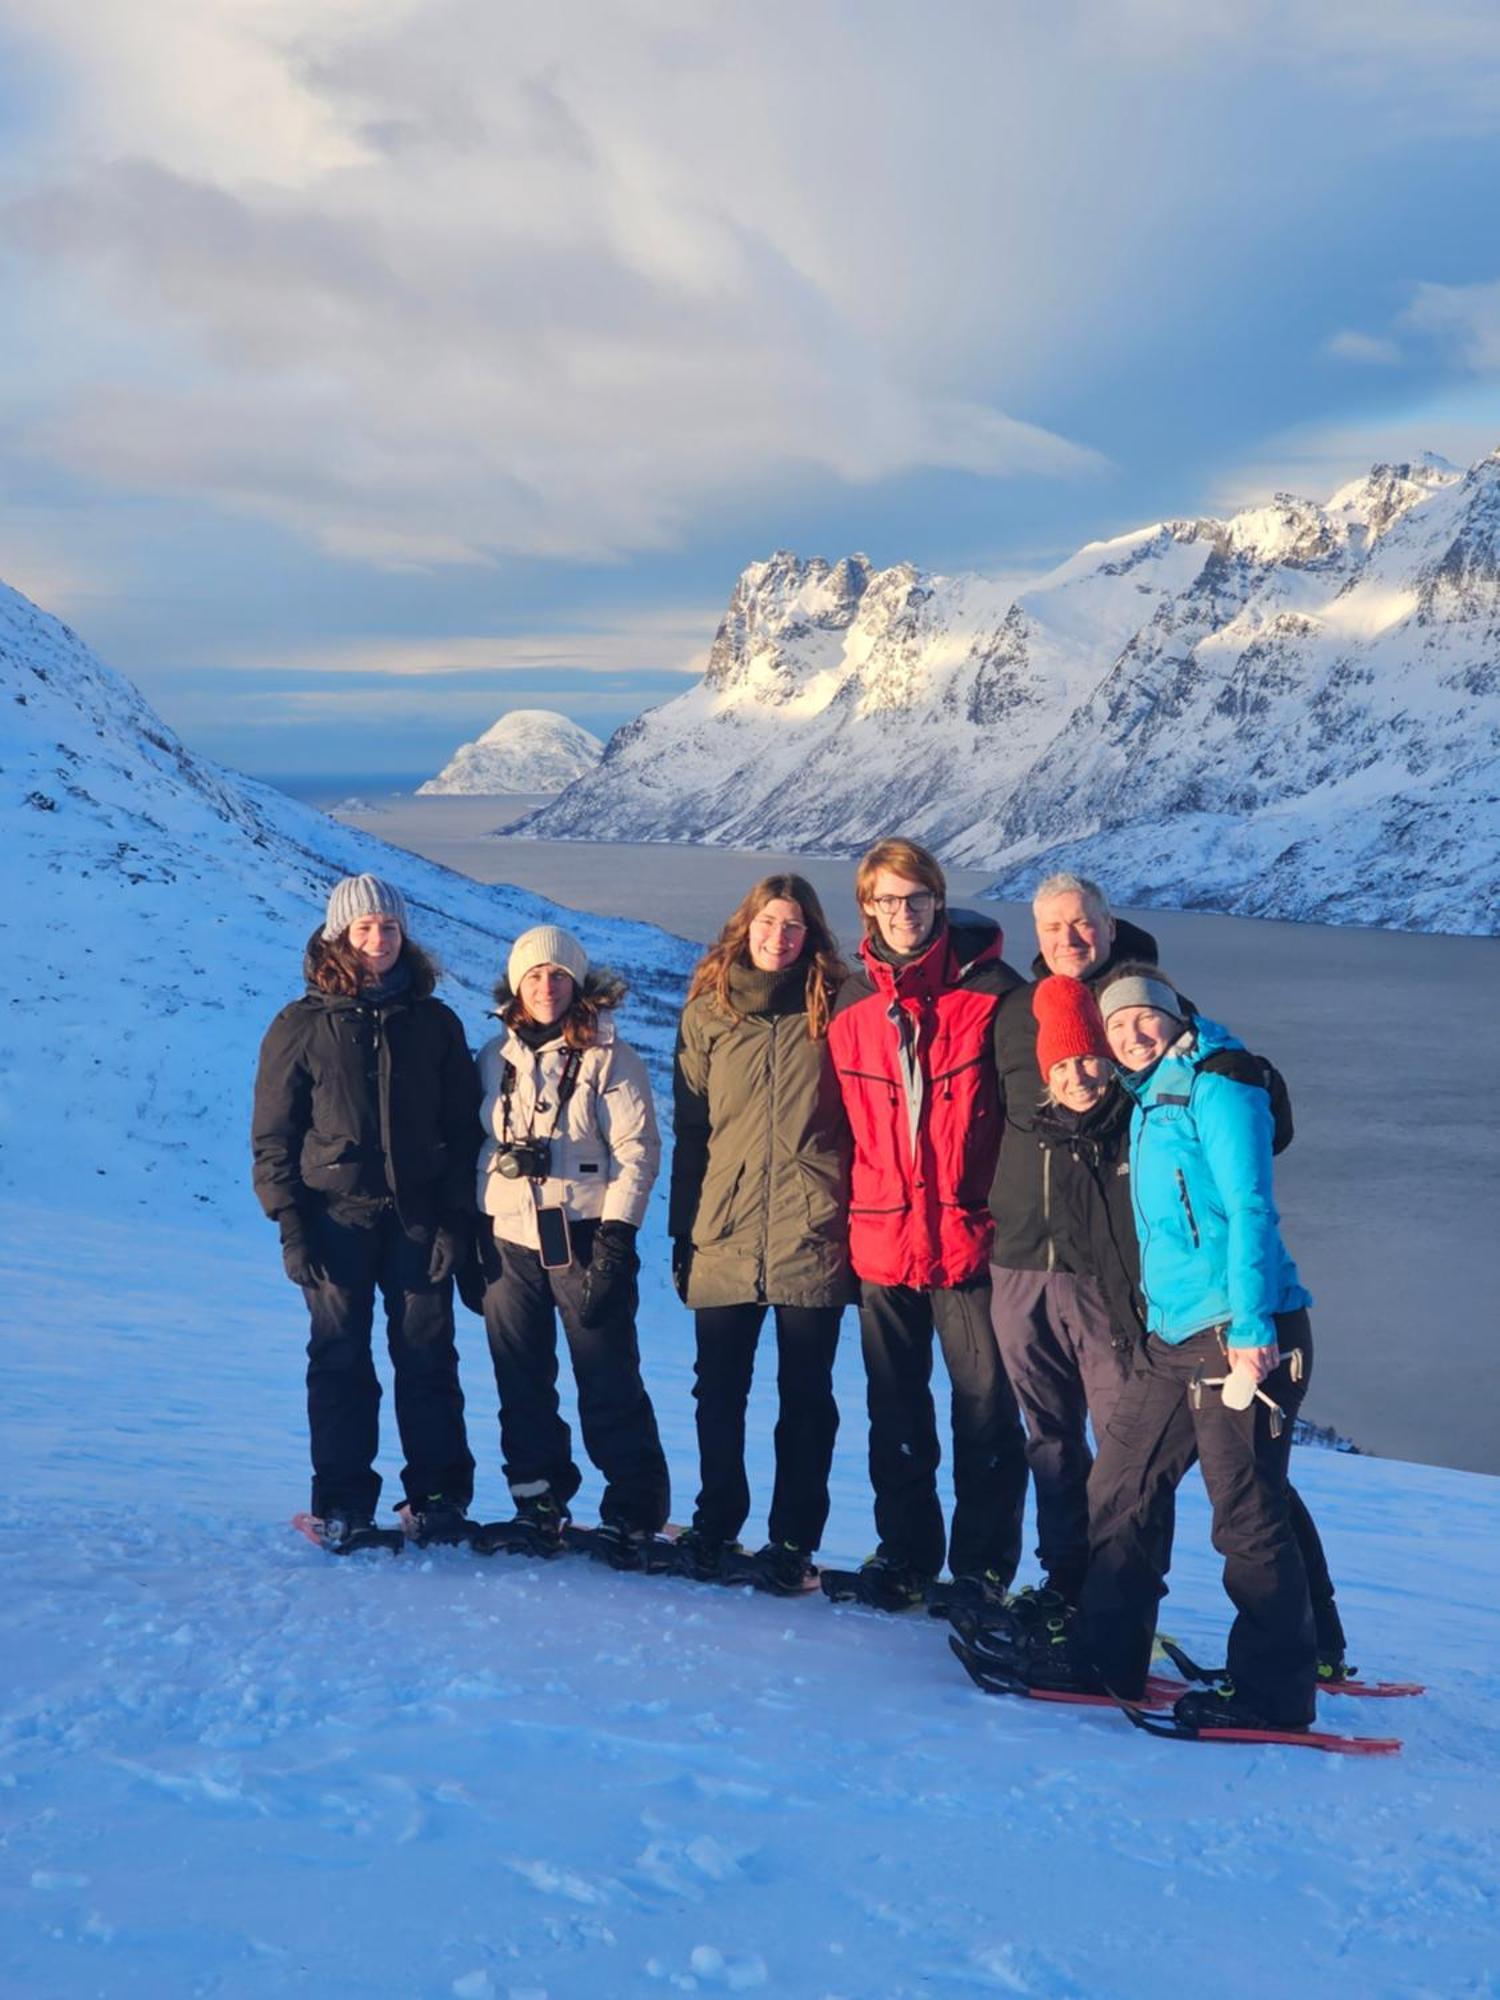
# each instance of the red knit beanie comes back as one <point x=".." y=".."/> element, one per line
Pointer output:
<point x="1068" y="1022"/>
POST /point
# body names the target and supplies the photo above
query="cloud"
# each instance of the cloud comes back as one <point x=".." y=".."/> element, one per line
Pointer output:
<point x="1314" y="460"/>
<point x="673" y="640"/>
<point x="1367" y="349"/>
<point x="1464" y="321"/>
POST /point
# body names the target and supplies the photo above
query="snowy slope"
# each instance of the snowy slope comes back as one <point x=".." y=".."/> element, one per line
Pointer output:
<point x="527" y="750"/>
<point x="1294" y="712"/>
<point x="230" y="1766"/>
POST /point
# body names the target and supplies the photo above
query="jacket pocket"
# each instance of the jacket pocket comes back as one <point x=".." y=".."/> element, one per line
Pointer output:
<point x="1187" y="1208"/>
<point x="715" y="1218"/>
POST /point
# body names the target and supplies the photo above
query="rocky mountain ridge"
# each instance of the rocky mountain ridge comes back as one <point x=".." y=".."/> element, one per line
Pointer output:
<point x="1292" y="712"/>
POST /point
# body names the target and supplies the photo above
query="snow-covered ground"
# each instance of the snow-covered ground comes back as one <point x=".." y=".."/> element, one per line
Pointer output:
<point x="231" y="1766"/>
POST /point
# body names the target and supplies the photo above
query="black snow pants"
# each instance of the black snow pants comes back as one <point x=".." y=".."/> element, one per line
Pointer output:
<point x="360" y="1250"/>
<point x="1067" y="1367"/>
<point x="1147" y="1448"/>
<point x="807" y="1419"/>
<point x="522" y="1305"/>
<point x="897" y="1325"/>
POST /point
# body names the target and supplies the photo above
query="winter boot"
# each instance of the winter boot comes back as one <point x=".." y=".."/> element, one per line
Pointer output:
<point x="621" y="1546"/>
<point x="435" y="1523"/>
<point x="882" y="1581"/>
<point x="1221" y="1708"/>
<point x="1038" y="1602"/>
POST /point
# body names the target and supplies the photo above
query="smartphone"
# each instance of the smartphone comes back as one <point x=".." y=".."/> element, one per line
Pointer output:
<point x="555" y="1238"/>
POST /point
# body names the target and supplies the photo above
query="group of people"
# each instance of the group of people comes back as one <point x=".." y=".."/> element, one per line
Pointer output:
<point x="1062" y="1181"/>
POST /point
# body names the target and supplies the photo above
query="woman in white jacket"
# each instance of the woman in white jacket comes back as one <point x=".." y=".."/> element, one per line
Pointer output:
<point x="570" y="1153"/>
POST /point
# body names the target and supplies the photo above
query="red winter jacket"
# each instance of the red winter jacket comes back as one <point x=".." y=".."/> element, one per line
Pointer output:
<point x="926" y="1124"/>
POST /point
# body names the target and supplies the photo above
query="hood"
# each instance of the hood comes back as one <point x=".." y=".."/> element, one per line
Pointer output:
<point x="1131" y="944"/>
<point x="1174" y="1071"/>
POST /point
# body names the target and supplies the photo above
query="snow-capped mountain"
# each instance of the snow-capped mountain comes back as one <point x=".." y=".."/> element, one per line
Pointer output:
<point x="527" y="750"/>
<point x="1293" y="712"/>
<point x="158" y="907"/>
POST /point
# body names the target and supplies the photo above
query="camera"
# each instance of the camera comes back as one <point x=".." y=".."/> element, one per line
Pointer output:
<point x="524" y="1159"/>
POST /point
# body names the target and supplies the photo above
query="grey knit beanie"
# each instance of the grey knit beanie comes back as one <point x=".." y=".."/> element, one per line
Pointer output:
<point x="546" y="944"/>
<point x="363" y="896"/>
<point x="1137" y="990"/>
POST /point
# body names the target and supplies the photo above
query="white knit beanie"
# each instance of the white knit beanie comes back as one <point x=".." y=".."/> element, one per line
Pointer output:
<point x="546" y="945"/>
<point x="363" y="896"/>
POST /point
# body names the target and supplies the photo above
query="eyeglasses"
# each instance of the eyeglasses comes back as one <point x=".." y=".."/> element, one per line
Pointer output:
<point x="916" y="903"/>
<point x="769" y="924"/>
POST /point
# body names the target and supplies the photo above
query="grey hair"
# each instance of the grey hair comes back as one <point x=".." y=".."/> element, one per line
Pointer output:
<point x="1066" y="884"/>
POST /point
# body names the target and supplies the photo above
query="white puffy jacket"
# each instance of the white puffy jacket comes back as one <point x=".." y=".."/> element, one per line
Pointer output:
<point x="605" y="1145"/>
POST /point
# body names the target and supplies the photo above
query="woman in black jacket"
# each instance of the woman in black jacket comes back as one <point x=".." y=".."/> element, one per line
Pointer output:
<point x="365" y="1133"/>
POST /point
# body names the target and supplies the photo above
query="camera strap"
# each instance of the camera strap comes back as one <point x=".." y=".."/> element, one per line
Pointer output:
<point x="566" y="1083"/>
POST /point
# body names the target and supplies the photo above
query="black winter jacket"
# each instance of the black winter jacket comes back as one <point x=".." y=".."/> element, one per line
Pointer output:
<point x="1091" y="1222"/>
<point x="1021" y="1241"/>
<point x="367" y="1099"/>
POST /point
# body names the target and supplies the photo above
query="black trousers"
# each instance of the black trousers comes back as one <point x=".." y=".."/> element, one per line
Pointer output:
<point x="1143" y="1455"/>
<point x="343" y="1390"/>
<point x="1066" y="1366"/>
<point x="897" y="1325"/>
<point x="522" y="1306"/>
<point x="807" y="1419"/>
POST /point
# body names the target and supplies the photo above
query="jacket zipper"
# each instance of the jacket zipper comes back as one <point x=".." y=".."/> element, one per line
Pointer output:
<point x="763" y="1248"/>
<point x="1047" y="1206"/>
<point x="1192" y="1220"/>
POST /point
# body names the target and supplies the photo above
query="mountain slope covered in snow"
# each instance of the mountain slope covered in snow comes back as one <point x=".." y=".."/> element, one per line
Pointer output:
<point x="1294" y="712"/>
<point x="230" y="1765"/>
<point x="527" y="750"/>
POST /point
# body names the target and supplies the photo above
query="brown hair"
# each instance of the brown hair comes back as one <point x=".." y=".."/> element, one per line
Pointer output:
<point x="826" y="970"/>
<point x="332" y="965"/>
<point x="600" y="991"/>
<point x="901" y="857"/>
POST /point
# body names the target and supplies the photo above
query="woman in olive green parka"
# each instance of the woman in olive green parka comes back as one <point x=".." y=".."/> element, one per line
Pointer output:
<point x="759" y="1219"/>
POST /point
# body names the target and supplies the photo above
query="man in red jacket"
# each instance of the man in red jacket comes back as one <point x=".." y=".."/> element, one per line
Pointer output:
<point x="911" y="1043"/>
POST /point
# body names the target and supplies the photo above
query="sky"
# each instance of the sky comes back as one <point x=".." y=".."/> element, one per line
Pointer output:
<point x="370" y="367"/>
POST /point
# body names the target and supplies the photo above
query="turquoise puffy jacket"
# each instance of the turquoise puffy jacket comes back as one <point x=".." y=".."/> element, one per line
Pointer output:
<point x="1200" y="1178"/>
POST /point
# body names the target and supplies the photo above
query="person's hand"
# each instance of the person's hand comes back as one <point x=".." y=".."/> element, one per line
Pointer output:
<point x="1248" y="1368"/>
<point x="446" y="1244"/>
<point x="297" y="1255"/>
<point x="609" y="1282"/>
<point x="682" y="1265"/>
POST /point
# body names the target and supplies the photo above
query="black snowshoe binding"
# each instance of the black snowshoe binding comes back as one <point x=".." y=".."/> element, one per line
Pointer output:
<point x="881" y="1583"/>
<point x="702" y="1557"/>
<point x="349" y="1534"/>
<point x="1025" y="1655"/>
<point x="1220" y="1707"/>
<point x="780" y="1569"/>
<point x="971" y="1594"/>
<point x="437" y="1523"/>
<point x="538" y="1529"/>
<point x="621" y="1547"/>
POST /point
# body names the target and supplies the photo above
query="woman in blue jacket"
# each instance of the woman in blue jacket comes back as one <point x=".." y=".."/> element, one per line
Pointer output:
<point x="1223" y="1299"/>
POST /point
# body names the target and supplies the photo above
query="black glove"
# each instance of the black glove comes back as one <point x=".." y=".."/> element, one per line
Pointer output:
<point x="609" y="1282"/>
<point x="469" y="1274"/>
<point x="297" y="1255"/>
<point x="682" y="1265"/>
<point x="447" y="1243"/>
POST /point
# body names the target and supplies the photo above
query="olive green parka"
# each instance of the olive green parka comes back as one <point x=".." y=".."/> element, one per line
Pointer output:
<point x="760" y="1158"/>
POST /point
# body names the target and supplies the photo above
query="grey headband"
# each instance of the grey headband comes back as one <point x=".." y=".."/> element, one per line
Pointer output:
<point x="1135" y="990"/>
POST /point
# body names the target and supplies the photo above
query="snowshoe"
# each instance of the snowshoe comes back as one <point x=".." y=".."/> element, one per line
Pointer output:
<point x="1220" y="1707"/>
<point x="881" y="1583"/>
<point x="705" y="1558"/>
<point x="969" y="1593"/>
<point x="621" y="1547"/>
<point x="347" y="1534"/>
<point x="437" y="1523"/>
<point x="780" y="1568"/>
<point x="537" y="1529"/>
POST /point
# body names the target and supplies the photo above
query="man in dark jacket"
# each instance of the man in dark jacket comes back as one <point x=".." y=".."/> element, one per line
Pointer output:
<point x="910" y="1042"/>
<point x="1052" y="1323"/>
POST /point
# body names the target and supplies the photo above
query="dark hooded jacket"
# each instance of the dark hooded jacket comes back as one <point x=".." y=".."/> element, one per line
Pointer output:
<point x="912" y="1049"/>
<point x="365" y="1099"/>
<point x="1022" y="1239"/>
<point x="1086" y="1203"/>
